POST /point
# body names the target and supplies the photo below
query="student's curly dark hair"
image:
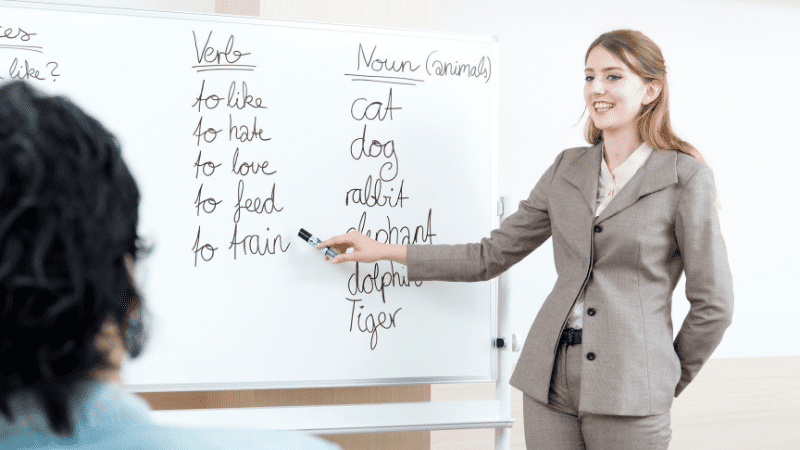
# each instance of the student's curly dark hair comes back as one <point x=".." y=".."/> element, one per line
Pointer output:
<point x="68" y="217"/>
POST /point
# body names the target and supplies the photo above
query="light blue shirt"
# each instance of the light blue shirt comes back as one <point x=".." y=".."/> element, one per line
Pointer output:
<point x="107" y="417"/>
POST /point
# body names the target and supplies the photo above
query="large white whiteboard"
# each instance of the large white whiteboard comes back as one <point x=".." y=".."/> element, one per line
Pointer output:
<point x="231" y="317"/>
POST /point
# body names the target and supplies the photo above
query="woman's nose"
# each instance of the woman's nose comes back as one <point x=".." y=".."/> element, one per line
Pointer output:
<point x="597" y="87"/>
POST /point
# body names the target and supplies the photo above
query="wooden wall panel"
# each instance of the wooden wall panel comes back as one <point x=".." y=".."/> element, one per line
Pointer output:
<point x="318" y="396"/>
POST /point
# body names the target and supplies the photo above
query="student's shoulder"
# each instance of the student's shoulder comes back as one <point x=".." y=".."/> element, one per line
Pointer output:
<point x="232" y="438"/>
<point x="161" y="437"/>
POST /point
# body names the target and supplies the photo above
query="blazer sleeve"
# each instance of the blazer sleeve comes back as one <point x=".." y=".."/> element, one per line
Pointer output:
<point x="709" y="285"/>
<point x="518" y="235"/>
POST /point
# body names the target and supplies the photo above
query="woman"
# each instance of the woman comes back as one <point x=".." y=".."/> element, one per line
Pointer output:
<point x="627" y="215"/>
<point x="69" y="312"/>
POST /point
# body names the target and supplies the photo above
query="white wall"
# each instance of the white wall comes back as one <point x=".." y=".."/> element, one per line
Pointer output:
<point x="734" y="75"/>
<point x="417" y="14"/>
<point x="204" y="6"/>
<point x="733" y="72"/>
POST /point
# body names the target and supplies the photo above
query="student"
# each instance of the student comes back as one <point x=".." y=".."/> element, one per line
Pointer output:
<point x="69" y="311"/>
<point x="628" y="214"/>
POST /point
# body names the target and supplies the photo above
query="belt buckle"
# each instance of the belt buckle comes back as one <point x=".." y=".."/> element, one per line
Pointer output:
<point x="569" y="336"/>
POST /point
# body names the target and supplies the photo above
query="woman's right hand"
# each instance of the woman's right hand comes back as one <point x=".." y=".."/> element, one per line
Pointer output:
<point x="364" y="249"/>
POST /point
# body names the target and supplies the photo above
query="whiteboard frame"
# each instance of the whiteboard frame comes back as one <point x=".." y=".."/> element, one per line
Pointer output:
<point x="491" y="209"/>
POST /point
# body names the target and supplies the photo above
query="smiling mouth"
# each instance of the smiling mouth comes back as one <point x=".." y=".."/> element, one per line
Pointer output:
<point x="602" y="106"/>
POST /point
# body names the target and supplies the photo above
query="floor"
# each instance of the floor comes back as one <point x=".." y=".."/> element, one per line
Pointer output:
<point x="733" y="404"/>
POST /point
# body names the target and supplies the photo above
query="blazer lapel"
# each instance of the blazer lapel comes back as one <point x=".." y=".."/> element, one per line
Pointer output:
<point x="659" y="171"/>
<point x="584" y="174"/>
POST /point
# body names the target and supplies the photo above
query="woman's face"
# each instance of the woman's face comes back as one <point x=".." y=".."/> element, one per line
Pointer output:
<point x="614" y="94"/>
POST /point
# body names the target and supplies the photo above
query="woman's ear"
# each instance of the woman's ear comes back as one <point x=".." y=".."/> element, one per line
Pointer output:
<point x="108" y="343"/>
<point x="652" y="92"/>
<point x="129" y="264"/>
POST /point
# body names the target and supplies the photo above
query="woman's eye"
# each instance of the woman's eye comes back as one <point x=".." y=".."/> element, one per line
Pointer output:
<point x="589" y="78"/>
<point x="614" y="77"/>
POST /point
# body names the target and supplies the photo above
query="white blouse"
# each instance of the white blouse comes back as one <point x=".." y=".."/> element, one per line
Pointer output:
<point x="608" y="186"/>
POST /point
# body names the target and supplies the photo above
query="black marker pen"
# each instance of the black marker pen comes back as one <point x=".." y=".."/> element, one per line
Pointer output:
<point x="329" y="252"/>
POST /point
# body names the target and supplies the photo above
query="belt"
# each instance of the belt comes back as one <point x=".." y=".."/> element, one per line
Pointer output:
<point x="571" y="336"/>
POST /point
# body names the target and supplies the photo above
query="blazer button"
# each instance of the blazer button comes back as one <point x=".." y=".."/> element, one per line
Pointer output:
<point x="591" y="311"/>
<point x="598" y="228"/>
<point x="590" y="356"/>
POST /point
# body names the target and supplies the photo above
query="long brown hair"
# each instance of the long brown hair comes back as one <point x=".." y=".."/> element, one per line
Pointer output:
<point x="644" y="58"/>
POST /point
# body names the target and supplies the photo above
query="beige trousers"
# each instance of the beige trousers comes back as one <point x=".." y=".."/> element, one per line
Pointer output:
<point x="559" y="425"/>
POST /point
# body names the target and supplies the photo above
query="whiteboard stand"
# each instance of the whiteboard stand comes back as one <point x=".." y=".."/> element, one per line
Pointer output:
<point x="389" y="417"/>
<point x="502" y="435"/>
<point x="318" y="64"/>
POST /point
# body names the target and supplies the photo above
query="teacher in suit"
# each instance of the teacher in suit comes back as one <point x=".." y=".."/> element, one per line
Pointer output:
<point x="627" y="215"/>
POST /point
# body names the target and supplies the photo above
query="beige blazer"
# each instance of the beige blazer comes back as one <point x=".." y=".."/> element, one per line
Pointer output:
<point x="625" y="263"/>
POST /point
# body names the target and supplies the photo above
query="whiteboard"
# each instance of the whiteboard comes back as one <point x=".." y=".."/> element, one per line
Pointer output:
<point x="241" y="131"/>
